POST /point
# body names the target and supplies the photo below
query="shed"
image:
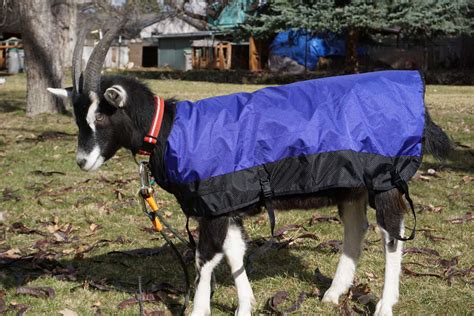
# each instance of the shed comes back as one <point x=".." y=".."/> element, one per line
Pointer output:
<point x="172" y="48"/>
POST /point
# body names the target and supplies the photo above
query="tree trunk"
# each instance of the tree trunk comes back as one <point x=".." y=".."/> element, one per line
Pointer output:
<point x="42" y="56"/>
<point x="64" y="13"/>
<point x="352" y="62"/>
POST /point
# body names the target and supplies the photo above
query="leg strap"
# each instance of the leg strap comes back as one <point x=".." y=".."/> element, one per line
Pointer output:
<point x="192" y="242"/>
<point x="267" y="197"/>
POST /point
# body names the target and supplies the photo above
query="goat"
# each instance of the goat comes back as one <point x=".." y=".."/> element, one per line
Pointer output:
<point x="112" y="112"/>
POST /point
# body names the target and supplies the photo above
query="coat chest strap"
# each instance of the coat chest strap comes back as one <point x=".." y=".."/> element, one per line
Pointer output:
<point x="267" y="196"/>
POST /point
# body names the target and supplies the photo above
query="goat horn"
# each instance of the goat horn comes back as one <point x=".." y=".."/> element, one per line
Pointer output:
<point x="77" y="60"/>
<point x="96" y="60"/>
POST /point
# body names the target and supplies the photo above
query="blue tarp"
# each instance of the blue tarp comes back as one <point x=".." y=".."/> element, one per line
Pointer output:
<point x="294" y="43"/>
<point x="379" y="113"/>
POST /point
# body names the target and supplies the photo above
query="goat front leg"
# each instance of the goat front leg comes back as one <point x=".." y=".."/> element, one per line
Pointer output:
<point x="209" y="253"/>
<point x="234" y="250"/>
<point x="353" y="213"/>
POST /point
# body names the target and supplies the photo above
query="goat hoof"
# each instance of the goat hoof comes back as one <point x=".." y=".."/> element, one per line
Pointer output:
<point x="243" y="311"/>
<point x="245" y="307"/>
<point x="383" y="309"/>
<point x="330" y="297"/>
<point x="201" y="313"/>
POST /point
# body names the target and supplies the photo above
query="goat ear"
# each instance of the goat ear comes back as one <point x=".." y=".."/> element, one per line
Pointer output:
<point x="116" y="96"/>
<point x="62" y="93"/>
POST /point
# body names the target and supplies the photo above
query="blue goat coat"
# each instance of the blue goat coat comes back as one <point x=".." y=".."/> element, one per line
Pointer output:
<point x="345" y="131"/>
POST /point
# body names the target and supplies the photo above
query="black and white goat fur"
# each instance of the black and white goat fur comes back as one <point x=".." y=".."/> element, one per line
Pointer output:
<point x="115" y="112"/>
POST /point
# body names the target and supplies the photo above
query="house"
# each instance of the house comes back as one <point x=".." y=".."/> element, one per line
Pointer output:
<point x="195" y="39"/>
<point x="164" y="42"/>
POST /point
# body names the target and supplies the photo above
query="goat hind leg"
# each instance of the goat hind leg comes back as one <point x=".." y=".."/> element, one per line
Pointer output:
<point x="234" y="250"/>
<point x="390" y="208"/>
<point x="354" y="216"/>
<point x="393" y="260"/>
<point x="209" y="253"/>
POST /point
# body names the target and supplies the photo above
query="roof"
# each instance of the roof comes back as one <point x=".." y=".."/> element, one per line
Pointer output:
<point x="193" y="34"/>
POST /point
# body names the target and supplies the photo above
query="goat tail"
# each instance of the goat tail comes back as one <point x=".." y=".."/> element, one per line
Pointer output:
<point x="436" y="141"/>
<point x="389" y="210"/>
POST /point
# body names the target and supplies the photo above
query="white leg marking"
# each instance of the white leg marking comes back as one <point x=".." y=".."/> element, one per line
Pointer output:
<point x="393" y="262"/>
<point x="234" y="250"/>
<point x="90" y="118"/>
<point x="355" y="225"/>
<point x="202" y="298"/>
<point x="93" y="159"/>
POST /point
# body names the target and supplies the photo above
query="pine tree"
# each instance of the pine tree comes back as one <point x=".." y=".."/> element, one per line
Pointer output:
<point x="426" y="19"/>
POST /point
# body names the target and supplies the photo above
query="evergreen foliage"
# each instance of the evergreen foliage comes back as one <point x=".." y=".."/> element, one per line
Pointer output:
<point x="427" y="18"/>
<point x="431" y="19"/>
<point x="424" y="19"/>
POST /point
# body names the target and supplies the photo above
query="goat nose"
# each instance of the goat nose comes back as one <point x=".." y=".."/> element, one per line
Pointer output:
<point x="81" y="162"/>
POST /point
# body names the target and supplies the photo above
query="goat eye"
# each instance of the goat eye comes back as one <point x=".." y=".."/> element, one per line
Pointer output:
<point x="99" y="117"/>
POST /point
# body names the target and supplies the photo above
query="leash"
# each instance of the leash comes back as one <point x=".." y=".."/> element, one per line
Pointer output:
<point x="146" y="193"/>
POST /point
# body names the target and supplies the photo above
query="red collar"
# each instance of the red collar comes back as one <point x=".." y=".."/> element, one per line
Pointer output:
<point x="152" y="136"/>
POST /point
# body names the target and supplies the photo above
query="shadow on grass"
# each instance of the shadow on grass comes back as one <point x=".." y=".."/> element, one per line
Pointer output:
<point x="12" y="105"/>
<point x="158" y="268"/>
<point x="461" y="159"/>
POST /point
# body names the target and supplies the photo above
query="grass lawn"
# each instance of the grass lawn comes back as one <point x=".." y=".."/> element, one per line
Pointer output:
<point x="73" y="232"/>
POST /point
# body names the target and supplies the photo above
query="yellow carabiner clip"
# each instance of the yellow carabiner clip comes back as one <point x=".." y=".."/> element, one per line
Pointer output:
<point x="154" y="207"/>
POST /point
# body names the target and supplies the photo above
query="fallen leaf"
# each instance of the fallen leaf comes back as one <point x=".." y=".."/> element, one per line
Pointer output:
<point x="287" y="228"/>
<point x="420" y="274"/>
<point x="451" y="273"/>
<point x="279" y="297"/>
<point x="20" y="308"/>
<point x="66" y="228"/>
<point x="330" y="245"/>
<point x="93" y="227"/>
<point x="20" y="228"/>
<point x="97" y="304"/>
<point x="466" y="179"/>
<point x="146" y="297"/>
<point x="8" y="194"/>
<point x="370" y="276"/>
<point x="432" y="237"/>
<point x="47" y="173"/>
<point x="41" y="292"/>
<point x="431" y="208"/>
<point x="52" y="228"/>
<point x="119" y="194"/>
<point x="362" y="294"/>
<point x="469" y="216"/>
<point x="59" y="236"/>
<point x="154" y="313"/>
<point x="67" y="312"/>
<point x="13" y="253"/>
<point x="421" y="250"/>
<point x="323" y="218"/>
<point x="448" y="263"/>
